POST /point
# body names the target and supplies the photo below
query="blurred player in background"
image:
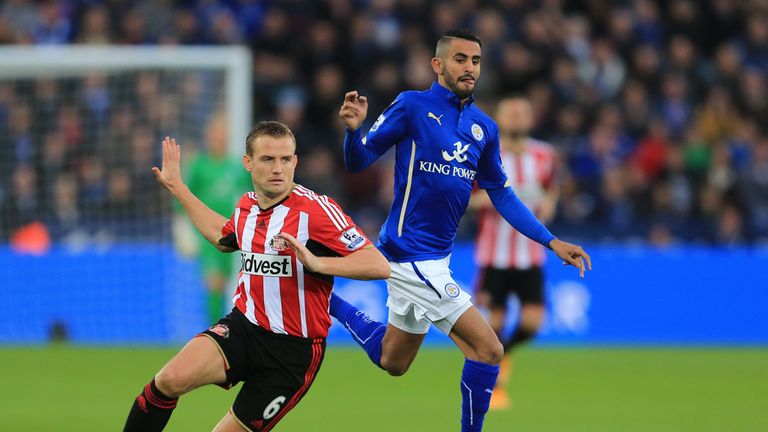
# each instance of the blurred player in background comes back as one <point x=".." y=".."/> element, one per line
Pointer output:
<point x="510" y="262"/>
<point x="218" y="180"/>
<point x="444" y="143"/>
<point x="292" y="243"/>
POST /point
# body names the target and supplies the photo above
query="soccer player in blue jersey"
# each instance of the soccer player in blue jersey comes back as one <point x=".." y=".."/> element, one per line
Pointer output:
<point x="444" y="144"/>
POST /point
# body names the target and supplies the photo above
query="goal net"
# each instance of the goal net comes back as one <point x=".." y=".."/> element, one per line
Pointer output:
<point x="89" y="242"/>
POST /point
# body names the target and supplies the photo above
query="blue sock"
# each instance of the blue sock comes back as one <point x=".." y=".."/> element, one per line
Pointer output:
<point x="477" y="382"/>
<point x="366" y="332"/>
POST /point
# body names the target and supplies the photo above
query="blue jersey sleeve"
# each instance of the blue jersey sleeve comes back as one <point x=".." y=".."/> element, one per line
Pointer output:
<point x="518" y="215"/>
<point x="389" y="129"/>
<point x="490" y="172"/>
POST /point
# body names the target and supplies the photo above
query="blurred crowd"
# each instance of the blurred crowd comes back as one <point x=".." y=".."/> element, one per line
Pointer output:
<point x="659" y="109"/>
<point x="76" y="151"/>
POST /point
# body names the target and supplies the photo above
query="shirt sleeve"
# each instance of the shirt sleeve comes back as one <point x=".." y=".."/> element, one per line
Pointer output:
<point x="335" y="230"/>
<point x="389" y="129"/>
<point x="229" y="230"/>
<point x="519" y="216"/>
<point x="490" y="171"/>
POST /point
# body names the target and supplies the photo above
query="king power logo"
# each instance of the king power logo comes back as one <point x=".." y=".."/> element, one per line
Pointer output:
<point x="458" y="153"/>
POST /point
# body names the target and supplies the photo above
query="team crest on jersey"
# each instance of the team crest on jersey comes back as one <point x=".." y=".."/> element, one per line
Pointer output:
<point x="221" y="330"/>
<point x="452" y="290"/>
<point x="352" y="238"/>
<point x="477" y="132"/>
<point x="278" y="243"/>
<point x="378" y="123"/>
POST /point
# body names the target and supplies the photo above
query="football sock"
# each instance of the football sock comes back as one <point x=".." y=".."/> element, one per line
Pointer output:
<point x="366" y="332"/>
<point x="477" y="382"/>
<point x="150" y="411"/>
<point x="520" y="336"/>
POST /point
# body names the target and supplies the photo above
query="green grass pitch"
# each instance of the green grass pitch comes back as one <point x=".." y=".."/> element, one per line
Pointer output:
<point x="66" y="388"/>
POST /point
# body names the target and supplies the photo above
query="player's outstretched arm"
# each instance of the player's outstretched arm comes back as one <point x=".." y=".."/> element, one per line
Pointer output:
<point x="207" y="221"/>
<point x="360" y="150"/>
<point x="518" y="215"/>
<point x="353" y="110"/>
<point x="571" y="254"/>
<point x="363" y="264"/>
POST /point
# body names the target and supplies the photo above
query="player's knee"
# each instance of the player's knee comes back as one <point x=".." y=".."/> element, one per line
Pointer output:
<point x="490" y="352"/>
<point x="173" y="382"/>
<point x="530" y="328"/>
<point x="395" y="367"/>
<point x="531" y="318"/>
<point x="397" y="371"/>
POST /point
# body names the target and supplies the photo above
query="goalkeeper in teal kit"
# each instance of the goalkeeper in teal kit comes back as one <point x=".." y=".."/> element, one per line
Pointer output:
<point x="443" y="144"/>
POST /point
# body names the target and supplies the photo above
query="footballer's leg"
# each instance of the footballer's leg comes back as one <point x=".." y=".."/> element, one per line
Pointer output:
<point x="531" y="317"/>
<point x="528" y="286"/>
<point x="399" y="349"/>
<point x="483" y="351"/>
<point x="500" y="399"/>
<point x="200" y="362"/>
<point x="497" y="287"/>
<point x="229" y="423"/>
<point x="367" y="332"/>
<point x="285" y="368"/>
<point x="389" y="347"/>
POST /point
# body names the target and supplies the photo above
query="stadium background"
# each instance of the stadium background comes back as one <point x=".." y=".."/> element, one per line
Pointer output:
<point x="659" y="111"/>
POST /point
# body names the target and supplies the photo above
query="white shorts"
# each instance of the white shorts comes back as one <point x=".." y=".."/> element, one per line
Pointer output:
<point x="423" y="293"/>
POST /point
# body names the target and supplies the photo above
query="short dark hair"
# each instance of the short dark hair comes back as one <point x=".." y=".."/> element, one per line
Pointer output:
<point x="271" y="128"/>
<point x="457" y="33"/>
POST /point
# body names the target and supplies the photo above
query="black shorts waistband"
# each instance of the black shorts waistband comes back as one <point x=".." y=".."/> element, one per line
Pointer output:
<point x="236" y="314"/>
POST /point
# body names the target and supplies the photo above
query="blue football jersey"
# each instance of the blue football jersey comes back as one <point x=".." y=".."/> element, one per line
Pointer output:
<point x="441" y="149"/>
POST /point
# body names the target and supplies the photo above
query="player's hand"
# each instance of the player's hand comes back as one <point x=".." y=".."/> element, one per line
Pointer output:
<point x="310" y="261"/>
<point x="354" y="110"/>
<point x="571" y="254"/>
<point x="170" y="174"/>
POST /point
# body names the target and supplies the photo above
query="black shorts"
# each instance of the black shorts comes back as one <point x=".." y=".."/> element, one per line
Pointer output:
<point x="528" y="285"/>
<point x="276" y="370"/>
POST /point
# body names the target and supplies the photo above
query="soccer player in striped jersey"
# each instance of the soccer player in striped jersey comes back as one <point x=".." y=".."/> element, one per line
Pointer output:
<point x="444" y="143"/>
<point x="292" y="242"/>
<point x="510" y="262"/>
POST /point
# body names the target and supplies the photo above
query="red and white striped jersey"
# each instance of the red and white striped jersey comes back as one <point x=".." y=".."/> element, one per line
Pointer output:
<point x="274" y="291"/>
<point x="530" y="174"/>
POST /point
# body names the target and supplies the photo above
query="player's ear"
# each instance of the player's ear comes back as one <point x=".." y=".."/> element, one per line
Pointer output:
<point x="247" y="162"/>
<point x="437" y="65"/>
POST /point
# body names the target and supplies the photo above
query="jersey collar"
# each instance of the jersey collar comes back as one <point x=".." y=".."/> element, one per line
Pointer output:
<point x="270" y="208"/>
<point x="448" y="95"/>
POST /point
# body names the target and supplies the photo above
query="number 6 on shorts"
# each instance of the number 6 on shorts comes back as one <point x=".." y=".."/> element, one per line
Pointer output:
<point x="273" y="407"/>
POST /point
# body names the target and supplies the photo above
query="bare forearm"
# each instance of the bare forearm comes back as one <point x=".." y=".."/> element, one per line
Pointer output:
<point x="207" y="221"/>
<point x="364" y="264"/>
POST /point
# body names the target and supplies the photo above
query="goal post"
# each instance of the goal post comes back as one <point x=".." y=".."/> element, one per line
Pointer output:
<point x="73" y="60"/>
<point x="86" y="234"/>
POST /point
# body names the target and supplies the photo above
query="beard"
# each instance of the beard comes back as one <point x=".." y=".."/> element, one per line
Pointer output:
<point x="453" y="85"/>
